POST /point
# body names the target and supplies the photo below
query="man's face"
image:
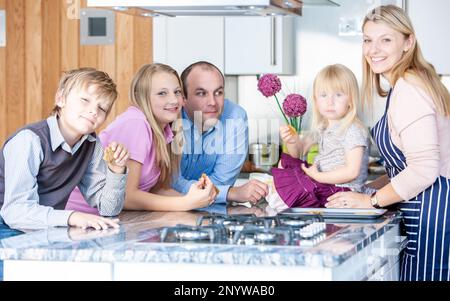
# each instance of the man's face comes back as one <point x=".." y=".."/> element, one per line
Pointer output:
<point x="205" y="94"/>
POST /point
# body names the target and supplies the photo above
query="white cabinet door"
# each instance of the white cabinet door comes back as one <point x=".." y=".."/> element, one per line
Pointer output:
<point x="182" y="41"/>
<point x="431" y="22"/>
<point x="255" y="45"/>
<point x="236" y="45"/>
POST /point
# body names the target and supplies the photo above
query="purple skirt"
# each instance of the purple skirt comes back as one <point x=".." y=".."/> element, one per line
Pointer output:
<point x="297" y="189"/>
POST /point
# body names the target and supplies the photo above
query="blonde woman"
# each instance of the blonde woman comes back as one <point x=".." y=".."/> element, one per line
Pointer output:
<point x="413" y="136"/>
<point x="145" y="128"/>
<point x="341" y="164"/>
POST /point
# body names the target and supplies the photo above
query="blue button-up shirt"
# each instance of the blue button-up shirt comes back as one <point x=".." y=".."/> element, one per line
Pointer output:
<point x="219" y="152"/>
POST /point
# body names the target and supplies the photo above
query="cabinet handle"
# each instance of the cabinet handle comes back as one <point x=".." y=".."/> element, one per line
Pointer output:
<point x="273" y="40"/>
<point x="405" y="5"/>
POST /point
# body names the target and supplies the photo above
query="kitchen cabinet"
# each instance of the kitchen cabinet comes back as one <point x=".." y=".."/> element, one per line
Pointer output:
<point x="182" y="41"/>
<point x="237" y="45"/>
<point x="255" y="45"/>
<point x="431" y="22"/>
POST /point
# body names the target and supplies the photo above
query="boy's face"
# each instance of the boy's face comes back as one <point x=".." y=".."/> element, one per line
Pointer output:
<point x="81" y="111"/>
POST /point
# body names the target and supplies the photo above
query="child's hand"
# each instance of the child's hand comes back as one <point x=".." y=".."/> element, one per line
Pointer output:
<point x="117" y="156"/>
<point x="77" y="234"/>
<point x="312" y="172"/>
<point x="287" y="135"/>
<point x="85" y="220"/>
<point x="201" y="194"/>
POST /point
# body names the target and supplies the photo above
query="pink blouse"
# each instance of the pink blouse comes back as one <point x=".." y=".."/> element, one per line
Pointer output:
<point x="422" y="135"/>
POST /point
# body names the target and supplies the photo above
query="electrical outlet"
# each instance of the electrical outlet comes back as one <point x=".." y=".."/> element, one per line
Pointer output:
<point x="349" y="26"/>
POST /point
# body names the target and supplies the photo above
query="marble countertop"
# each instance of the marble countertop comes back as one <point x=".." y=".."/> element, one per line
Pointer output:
<point x="133" y="242"/>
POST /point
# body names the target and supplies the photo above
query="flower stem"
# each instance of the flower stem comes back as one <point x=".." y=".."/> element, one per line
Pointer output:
<point x="294" y="123"/>
<point x="281" y="110"/>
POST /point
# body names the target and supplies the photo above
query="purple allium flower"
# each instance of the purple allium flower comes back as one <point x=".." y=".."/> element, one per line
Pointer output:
<point x="269" y="85"/>
<point x="294" y="105"/>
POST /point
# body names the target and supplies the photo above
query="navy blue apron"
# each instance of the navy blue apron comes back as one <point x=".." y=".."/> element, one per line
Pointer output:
<point x="426" y="218"/>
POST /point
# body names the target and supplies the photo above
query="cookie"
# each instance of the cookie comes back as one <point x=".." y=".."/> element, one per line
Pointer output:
<point x="203" y="177"/>
<point x="108" y="155"/>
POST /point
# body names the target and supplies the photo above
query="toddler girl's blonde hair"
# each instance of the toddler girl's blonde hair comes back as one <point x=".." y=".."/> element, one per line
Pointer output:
<point x="334" y="78"/>
<point x="82" y="78"/>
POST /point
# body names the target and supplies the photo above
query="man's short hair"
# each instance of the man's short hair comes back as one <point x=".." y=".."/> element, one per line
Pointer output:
<point x="203" y="65"/>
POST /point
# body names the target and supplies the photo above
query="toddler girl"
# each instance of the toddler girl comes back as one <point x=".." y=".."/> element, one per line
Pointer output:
<point x="341" y="164"/>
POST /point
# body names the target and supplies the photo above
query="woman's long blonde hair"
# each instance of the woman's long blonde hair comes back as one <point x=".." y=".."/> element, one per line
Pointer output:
<point x="412" y="62"/>
<point x="336" y="78"/>
<point x="140" y="96"/>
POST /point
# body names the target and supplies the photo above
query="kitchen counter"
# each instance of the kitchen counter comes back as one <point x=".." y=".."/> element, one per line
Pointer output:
<point x="129" y="253"/>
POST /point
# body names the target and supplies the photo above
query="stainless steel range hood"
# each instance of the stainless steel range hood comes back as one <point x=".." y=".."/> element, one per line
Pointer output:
<point x="211" y="7"/>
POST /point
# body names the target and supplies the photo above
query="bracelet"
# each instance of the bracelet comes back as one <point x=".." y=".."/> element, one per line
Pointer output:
<point x="374" y="201"/>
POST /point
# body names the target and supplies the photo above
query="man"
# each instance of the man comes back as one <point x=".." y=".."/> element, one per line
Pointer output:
<point x="216" y="136"/>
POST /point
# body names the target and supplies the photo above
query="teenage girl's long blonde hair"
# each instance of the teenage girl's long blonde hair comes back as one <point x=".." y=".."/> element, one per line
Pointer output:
<point x="335" y="78"/>
<point x="140" y="96"/>
<point x="412" y="62"/>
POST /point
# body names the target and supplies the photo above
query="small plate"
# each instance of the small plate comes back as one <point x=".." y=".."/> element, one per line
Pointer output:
<point x="337" y="212"/>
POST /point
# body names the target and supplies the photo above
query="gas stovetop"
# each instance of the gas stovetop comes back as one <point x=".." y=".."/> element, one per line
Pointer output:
<point x="301" y="230"/>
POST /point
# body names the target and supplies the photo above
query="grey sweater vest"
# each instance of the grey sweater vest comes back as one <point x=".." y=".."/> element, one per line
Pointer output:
<point x="59" y="173"/>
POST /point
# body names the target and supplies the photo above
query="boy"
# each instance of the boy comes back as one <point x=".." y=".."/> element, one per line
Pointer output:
<point x="43" y="162"/>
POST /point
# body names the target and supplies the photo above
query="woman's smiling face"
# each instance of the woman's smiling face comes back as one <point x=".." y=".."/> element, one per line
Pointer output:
<point x="383" y="47"/>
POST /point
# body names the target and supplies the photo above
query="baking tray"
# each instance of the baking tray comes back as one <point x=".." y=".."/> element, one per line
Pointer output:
<point x="357" y="213"/>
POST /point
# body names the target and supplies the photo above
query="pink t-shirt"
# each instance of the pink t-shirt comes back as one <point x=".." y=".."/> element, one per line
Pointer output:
<point x="131" y="129"/>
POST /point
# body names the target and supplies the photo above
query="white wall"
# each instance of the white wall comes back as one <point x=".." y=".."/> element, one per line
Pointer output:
<point x="318" y="44"/>
<point x="431" y="22"/>
<point x="446" y="81"/>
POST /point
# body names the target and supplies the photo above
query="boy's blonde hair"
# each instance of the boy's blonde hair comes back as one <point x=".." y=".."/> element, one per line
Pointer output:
<point x="82" y="78"/>
<point x="140" y="96"/>
<point x="412" y="62"/>
<point x="336" y="78"/>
